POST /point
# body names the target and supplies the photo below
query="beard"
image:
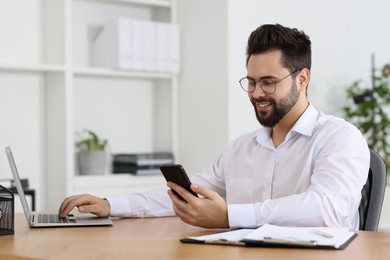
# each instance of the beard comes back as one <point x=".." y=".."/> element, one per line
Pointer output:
<point x="280" y="109"/>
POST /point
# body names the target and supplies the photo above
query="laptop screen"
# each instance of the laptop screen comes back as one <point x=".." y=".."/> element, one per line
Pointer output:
<point x="18" y="184"/>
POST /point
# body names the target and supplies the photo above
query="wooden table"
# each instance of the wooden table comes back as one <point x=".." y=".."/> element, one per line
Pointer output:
<point x="158" y="238"/>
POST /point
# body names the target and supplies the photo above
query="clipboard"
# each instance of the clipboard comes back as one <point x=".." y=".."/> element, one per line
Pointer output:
<point x="277" y="236"/>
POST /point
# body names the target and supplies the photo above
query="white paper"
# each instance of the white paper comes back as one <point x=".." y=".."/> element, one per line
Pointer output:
<point x="316" y="236"/>
<point x="338" y="236"/>
<point x="235" y="235"/>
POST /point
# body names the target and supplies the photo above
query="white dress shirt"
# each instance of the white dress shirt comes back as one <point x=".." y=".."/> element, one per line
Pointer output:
<point x="314" y="178"/>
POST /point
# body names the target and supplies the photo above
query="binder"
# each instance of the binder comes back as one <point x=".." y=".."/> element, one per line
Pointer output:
<point x="162" y="40"/>
<point x="150" y="47"/>
<point x="119" y="168"/>
<point x="174" y="48"/>
<point x="277" y="236"/>
<point x="144" y="159"/>
<point x="138" y="44"/>
<point x="113" y="46"/>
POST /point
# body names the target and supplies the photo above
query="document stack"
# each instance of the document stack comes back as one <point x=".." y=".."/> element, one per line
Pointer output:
<point x="138" y="45"/>
<point x="280" y="236"/>
<point x="142" y="163"/>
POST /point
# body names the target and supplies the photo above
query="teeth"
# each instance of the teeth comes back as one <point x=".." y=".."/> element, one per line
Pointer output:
<point x="263" y="104"/>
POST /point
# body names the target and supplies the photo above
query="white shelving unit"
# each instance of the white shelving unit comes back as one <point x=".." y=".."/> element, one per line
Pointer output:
<point x="134" y="110"/>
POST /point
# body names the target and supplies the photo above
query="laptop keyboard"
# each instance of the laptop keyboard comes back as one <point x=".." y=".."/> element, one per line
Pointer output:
<point x="53" y="218"/>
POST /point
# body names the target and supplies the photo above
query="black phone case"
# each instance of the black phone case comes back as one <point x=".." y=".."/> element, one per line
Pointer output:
<point x="176" y="173"/>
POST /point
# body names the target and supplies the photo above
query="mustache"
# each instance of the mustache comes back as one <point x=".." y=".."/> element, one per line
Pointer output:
<point x="270" y="100"/>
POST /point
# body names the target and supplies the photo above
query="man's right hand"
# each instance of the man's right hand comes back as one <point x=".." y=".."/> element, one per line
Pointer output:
<point x="86" y="204"/>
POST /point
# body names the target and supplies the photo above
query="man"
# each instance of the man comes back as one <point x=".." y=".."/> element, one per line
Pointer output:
<point x="303" y="168"/>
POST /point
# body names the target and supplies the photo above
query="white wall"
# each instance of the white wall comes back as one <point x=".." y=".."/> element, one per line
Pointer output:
<point x="21" y="122"/>
<point x="203" y="82"/>
<point x="21" y="96"/>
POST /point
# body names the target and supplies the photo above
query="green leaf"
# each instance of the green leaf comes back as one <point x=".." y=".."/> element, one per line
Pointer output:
<point x="92" y="142"/>
<point x="361" y="114"/>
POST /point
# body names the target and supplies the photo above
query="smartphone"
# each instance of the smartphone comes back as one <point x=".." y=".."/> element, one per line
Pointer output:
<point x="176" y="173"/>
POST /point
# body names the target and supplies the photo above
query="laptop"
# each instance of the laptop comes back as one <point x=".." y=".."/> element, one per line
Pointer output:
<point x="51" y="220"/>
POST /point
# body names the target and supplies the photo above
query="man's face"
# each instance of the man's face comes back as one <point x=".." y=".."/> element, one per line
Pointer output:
<point x="271" y="108"/>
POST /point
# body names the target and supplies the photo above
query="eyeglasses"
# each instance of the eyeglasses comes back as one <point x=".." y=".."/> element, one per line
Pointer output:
<point x="268" y="85"/>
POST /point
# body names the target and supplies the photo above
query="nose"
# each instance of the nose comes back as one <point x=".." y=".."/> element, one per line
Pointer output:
<point x="258" y="92"/>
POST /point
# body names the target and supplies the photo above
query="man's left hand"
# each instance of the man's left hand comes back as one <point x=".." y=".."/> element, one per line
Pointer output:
<point x="208" y="212"/>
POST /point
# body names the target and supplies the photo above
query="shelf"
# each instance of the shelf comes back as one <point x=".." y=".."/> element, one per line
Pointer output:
<point x="158" y="3"/>
<point x="120" y="73"/>
<point x="31" y="67"/>
<point x="135" y="110"/>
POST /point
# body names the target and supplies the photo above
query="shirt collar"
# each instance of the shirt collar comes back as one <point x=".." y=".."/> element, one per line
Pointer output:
<point x="304" y="126"/>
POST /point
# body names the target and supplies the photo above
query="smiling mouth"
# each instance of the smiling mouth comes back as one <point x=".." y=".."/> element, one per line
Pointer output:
<point x="263" y="104"/>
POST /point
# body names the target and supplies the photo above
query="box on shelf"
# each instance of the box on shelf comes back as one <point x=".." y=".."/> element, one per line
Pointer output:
<point x="141" y="163"/>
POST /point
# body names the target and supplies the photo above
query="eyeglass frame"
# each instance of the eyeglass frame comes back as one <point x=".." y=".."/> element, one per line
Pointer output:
<point x="274" y="82"/>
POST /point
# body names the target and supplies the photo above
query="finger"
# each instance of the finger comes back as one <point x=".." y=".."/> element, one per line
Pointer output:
<point x="75" y="201"/>
<point x="175" y="199"/>
<point x="181" y="191"/>
<point x="172" y="195"/>
<point x="65" y="206"/>
<point x="177" y="205"/>
<point x="203" y="191"/>
<point x="65" y="203"/>
<point x="91" y="208"/>
<point x="97" y="206"/>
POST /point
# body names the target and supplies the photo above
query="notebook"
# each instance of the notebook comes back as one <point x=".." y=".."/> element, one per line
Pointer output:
<point x="51" y="220"/>
<point x="280" y="236"/>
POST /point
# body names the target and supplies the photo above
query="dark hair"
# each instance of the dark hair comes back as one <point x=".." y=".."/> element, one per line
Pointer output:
<point x="295" y="45"/>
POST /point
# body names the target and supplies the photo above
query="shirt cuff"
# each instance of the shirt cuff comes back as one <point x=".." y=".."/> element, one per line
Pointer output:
<point x="118" y="205"/>
<point x="241" y="216"/>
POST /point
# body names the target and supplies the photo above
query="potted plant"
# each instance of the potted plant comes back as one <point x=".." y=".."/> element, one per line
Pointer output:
<point x="93" y="155"/>
<point x="368" y="109"/>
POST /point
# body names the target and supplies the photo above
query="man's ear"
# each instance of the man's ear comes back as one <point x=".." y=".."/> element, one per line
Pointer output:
<point x="303" y="78"/>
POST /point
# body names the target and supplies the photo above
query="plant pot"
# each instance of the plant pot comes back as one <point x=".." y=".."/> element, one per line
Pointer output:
<point x="97" y="163"/>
